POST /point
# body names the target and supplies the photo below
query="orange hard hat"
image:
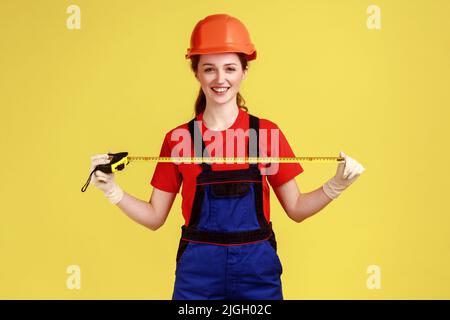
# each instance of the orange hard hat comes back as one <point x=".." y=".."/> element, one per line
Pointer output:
<point x="220" y="33"/>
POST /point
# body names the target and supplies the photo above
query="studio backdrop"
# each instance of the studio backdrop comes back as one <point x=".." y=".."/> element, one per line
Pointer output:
<point x="82" y="77"/>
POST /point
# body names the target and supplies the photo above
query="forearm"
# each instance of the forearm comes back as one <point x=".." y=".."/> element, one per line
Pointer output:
<point x="310" y="203"/>
<point x="140" y="211"/>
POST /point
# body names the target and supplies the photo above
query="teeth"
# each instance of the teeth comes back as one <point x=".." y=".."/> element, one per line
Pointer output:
<point x="220" y="89"/>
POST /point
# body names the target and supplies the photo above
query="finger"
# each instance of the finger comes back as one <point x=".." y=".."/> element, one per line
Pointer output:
<point x="106" y="177"/>
<point x="100" y="174"/>
<point x="352" y="174"/>
<point x="361" y="169"/>
<point x="354" y="171"/>
<point x="97" y="162"/>
<point x="347" y="173"/>
<point x="344" y="175"/>
<point x="358" y="170"/>
<point x="341" y="165"/>
<point x="99" y="156"/>
<point x="344" y="163"/>
<point x="349" y="167"/>
<point x="102" y="180"/>
<point x="104" y="161"/>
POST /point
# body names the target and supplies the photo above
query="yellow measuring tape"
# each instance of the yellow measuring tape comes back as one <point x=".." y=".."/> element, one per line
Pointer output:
<point x="118" y="161"/>
<point x="236" y="159"/>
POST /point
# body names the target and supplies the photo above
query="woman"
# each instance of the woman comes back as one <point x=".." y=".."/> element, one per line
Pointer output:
<point x="227" y="248"/>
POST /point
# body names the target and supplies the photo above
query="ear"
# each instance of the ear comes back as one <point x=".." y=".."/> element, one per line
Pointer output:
<point x="244" y="73"/>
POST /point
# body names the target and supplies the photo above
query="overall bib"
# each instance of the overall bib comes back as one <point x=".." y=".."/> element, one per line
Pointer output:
<point x="228" y="249"/>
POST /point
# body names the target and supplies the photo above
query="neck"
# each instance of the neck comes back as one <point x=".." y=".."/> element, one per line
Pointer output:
<point x="220" y="117"/>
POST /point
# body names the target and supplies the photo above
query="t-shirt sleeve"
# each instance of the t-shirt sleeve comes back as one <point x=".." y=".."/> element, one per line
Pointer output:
<point x="166" y="176"/>
<point x="286" y="171"/>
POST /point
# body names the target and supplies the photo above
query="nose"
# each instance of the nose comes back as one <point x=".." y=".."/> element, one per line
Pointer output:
<point x="220" y="77"/>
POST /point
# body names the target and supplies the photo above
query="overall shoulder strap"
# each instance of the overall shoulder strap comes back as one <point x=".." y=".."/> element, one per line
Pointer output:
<point x="195" y="132"/>
<point x="253" y="141"/>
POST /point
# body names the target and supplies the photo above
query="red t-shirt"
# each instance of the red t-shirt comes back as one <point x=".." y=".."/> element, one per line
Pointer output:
<point x="169" y="176"/>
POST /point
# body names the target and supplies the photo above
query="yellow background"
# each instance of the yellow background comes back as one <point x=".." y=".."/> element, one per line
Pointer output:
<point x="121" y="82"/>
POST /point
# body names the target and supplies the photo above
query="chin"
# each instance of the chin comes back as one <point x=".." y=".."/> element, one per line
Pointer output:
<point x="223" y="99"/>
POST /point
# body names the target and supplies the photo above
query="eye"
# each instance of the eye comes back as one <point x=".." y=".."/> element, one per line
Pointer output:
<point x="228" y="69"/>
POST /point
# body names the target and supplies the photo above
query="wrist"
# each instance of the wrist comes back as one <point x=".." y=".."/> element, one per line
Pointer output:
<point x="115" y="194"/>
<point x="333" y="189"/>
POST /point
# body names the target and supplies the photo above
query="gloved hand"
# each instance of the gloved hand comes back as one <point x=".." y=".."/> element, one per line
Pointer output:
<point x="105" y="181"/>
<point x="347" y="172"/>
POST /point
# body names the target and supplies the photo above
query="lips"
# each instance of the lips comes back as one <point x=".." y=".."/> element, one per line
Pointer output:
<point x="220" y="90"/>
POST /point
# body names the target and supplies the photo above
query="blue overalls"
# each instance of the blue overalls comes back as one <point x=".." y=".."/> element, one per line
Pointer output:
<point x="228" y="249"/>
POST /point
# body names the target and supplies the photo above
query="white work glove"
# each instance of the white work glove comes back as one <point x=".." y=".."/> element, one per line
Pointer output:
<point x="347" y="172"/>
<point x="105" y="181"/>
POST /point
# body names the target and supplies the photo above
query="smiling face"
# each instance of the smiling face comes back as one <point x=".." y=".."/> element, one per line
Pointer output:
<point x="220" y="77"/>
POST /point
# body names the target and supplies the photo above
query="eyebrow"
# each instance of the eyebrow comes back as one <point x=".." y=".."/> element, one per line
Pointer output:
<point x="210" y="64"/>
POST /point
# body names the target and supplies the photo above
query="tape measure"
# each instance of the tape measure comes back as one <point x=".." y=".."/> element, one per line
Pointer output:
<point x="118" y="161"/>
<point x="237" y="159"/>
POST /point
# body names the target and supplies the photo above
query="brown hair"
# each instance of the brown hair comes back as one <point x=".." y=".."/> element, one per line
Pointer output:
<point x="200" y="103"/>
